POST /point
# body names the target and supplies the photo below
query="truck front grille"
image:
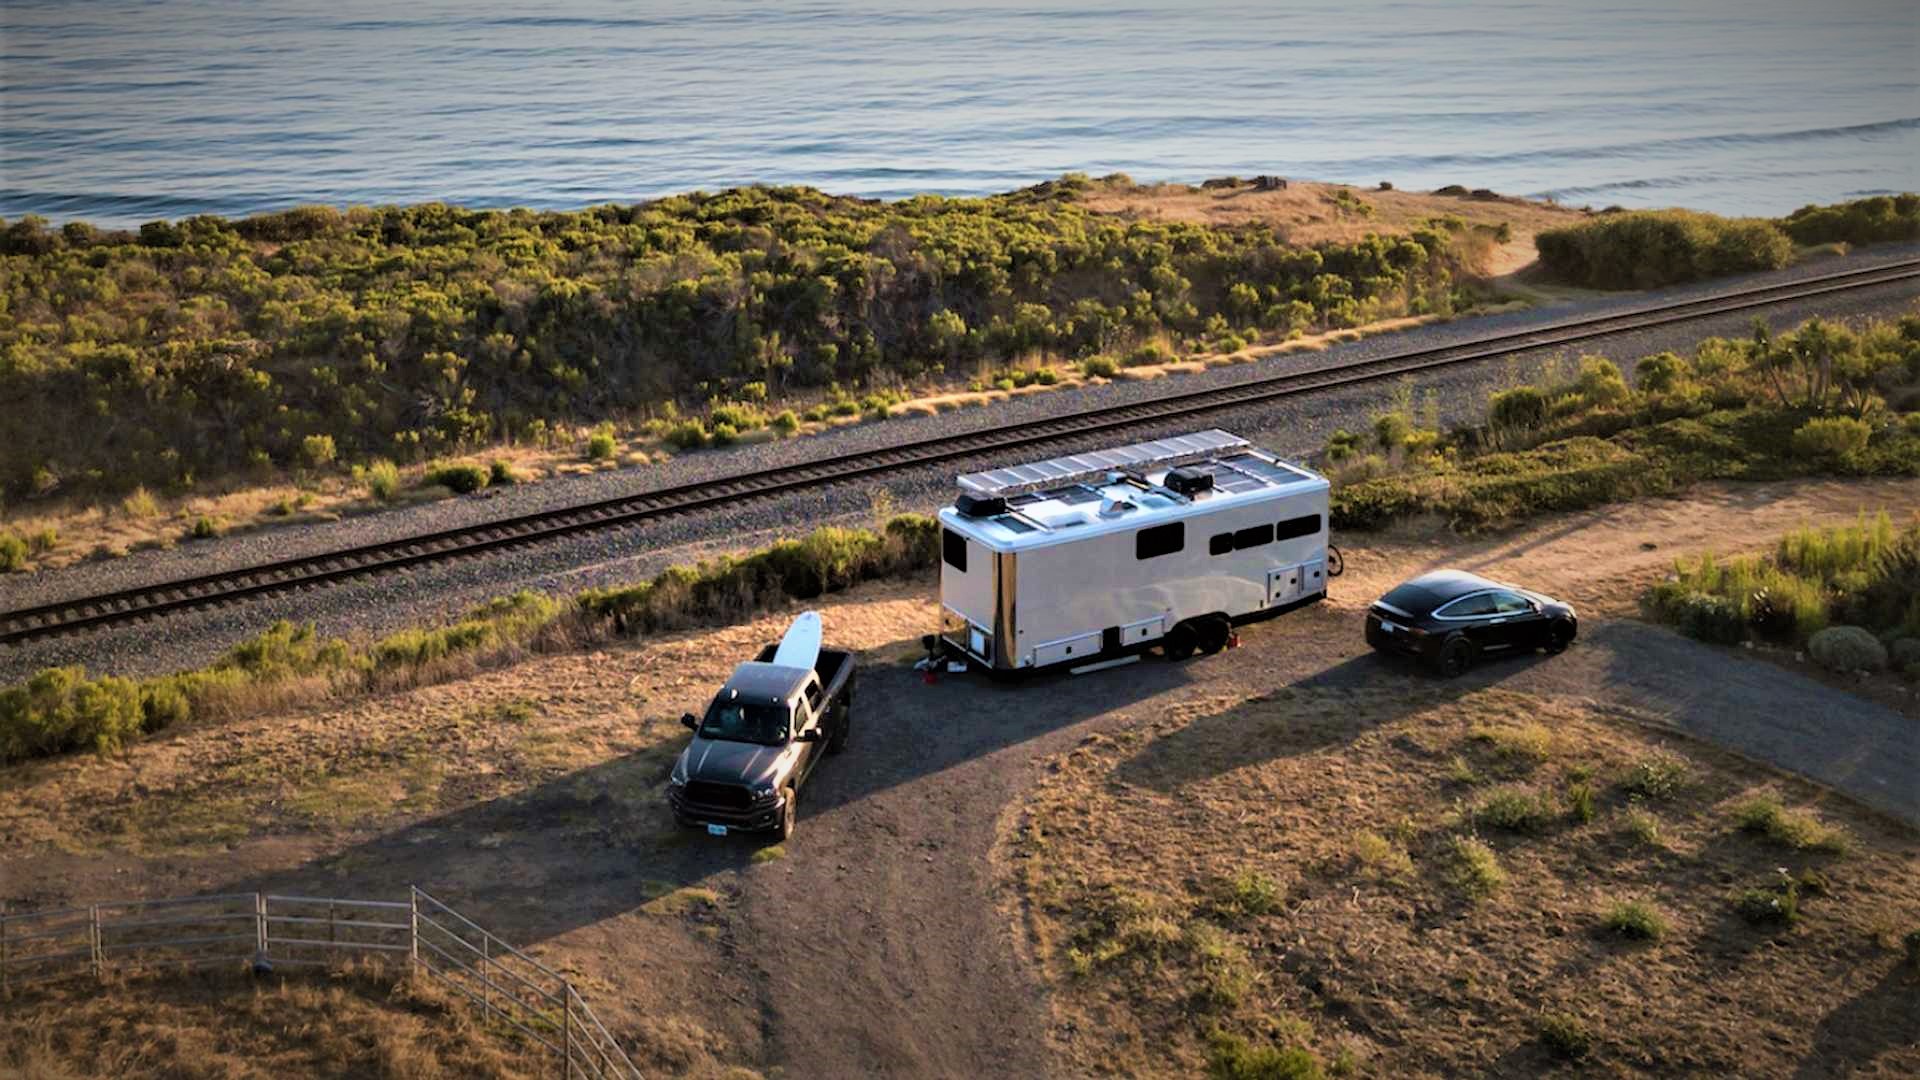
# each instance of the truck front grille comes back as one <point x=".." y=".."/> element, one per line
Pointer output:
<point x="708" y="793"/>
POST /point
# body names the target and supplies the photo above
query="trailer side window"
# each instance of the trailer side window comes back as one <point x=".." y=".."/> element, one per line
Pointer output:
<point x="1160" y="540"/>
<point x="1294" y="528"/>
<point x="1252" y="538"/>
<point x="953" y="549"/>
<point x="1220" y="544"/>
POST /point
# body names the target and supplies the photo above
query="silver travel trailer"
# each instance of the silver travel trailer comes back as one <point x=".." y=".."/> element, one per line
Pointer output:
<point x="1093" y="557"/>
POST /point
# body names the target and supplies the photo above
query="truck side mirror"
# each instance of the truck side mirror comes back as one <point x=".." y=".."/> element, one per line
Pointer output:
<point x="692" y="722"/>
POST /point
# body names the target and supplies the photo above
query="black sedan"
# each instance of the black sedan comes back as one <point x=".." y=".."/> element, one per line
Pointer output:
<point x="1451" y="619"/>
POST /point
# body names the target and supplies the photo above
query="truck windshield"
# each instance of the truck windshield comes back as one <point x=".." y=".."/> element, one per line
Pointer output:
<point x="742" y="722"/>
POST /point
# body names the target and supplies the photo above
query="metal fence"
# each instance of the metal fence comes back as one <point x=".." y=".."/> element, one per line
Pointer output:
<point x="271" y="930"/>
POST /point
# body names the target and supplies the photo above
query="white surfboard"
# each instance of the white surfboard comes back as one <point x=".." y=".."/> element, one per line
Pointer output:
<point x="801" y="647"/>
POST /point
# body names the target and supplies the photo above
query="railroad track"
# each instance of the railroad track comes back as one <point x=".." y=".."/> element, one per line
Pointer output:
<point x="148" y="601"/>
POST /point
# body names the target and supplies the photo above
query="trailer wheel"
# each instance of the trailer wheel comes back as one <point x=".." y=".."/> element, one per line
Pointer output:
<point x="1213" y="632"/>
<point x="1180" y="642"/>
<point x="1336" y="563"/>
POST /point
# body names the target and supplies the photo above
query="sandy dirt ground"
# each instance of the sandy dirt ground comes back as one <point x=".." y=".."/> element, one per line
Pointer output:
<point x="876" y="942"/>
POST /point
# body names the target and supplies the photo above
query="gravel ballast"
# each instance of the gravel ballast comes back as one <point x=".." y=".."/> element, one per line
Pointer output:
<point x="1294" y="427"/>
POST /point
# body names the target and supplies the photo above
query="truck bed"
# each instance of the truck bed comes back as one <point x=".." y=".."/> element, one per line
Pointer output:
<point x="835" y="668"/>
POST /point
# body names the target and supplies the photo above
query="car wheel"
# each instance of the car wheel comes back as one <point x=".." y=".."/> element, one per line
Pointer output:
<point x="1180" y="642"/>
<point x="1559" y="636"/>
<point x="789" y="815"/>
<point x="1456" y="656"/>
<point x="1213" y="633"/>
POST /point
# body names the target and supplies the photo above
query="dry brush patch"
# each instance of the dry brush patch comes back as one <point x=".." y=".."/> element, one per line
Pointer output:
<point x="224" y="1025"/>
<point x="1415" y="933"/>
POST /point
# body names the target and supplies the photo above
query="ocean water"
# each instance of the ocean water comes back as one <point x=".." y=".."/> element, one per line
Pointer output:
<point x="118" y="111"/>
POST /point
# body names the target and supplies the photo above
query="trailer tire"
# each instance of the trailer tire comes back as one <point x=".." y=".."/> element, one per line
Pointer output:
<point x="1213" y="632"/>
<point x="1180" y="641"/>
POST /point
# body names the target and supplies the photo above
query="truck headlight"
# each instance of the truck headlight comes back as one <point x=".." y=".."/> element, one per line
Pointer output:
<point x="763" y="791"/>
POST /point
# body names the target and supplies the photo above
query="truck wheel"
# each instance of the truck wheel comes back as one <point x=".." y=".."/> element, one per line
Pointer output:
<point x="1213" y="633"/>
<point x="840" y="733"/>
<point x="789" y="814"/>
<point x="1180" y="642"/>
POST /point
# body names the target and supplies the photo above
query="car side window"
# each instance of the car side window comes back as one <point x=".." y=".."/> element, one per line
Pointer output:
<point x="1506" y="603"/>
<point x="1467" y="607"/>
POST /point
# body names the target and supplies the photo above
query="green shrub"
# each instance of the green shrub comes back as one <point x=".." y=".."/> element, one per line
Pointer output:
<point x="1847" y="648"/>
<point x="1797" y="829"/>
<point x="1515" y="810"/>
<point x="1230" y="1057"/>
<point x="461" y="478"/>
<point x="1251" y="892"/>
<point x="1342" y="445"/>
<point x="13" y="553"/>
<point x="1661" y="373"/>
<point x="1102" y="367"/>
<point x="60" y="709"/>
<point x="724" y="435"/>
<point x="738" y="417"/>
<point x="1580" y="801"/>
<point x="1600" y="383"/>
<point x="601" y="444"/>
<point x="317" y="451"/>
<point x="1635" y="919"/>
<point x="1566" y="1035"/>
<point x="1778" y="906"/>
<point x="1392" y="429"/>
<point x="1522" y="408"/>
<point x="1652" y="248"/>
<point x="1152" y="353"/>
<point x="140" y="504"/>
<point x="1703" y="616"/>
<point x="501" y="474"/>
<point x="1644" y="828"/>
<point x="1661" y="776"/>
<point x="206" y="528"/>
<point x="786" y="422"/>
<point x="1831" y="439"/>
<point x="1876" y="219"/>
<point x="383" y="480"/>
<point x="1475" y="869"/>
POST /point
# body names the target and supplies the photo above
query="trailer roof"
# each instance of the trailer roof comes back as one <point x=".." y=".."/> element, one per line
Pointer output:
<point x="1088" y="502"/>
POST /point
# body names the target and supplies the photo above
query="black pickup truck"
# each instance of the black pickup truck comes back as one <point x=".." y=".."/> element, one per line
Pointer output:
<point x="758" y="743"/>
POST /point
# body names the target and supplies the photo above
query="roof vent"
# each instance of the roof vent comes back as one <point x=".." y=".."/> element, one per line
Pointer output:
<point x="979" y="506"/>
<point x="1116" y="507"/>
<point x="1189" y="482"/>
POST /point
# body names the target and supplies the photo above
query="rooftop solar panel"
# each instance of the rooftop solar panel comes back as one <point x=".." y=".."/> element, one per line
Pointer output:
<point x="1074" y="468"/>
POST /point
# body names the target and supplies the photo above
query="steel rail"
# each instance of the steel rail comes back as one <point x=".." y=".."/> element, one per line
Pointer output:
<point x="145" y="601"/>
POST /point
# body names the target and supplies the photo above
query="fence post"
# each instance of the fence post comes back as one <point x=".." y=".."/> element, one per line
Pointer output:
<point x="566" y="1030"/>
<point x="486" y="971"/>
<point x="413" y="925"/>
<point x="333" y="931"/>
<point x="93" y="938"/>
<point x="260" y="923"/>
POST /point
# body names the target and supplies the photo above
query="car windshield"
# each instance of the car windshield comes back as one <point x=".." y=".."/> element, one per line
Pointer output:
<point x="745" y="722"/>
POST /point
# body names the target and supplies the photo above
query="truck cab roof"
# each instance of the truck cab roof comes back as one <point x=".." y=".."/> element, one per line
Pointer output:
<point x="765" y="684"/>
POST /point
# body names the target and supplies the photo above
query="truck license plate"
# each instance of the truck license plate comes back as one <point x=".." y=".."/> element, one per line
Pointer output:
<point x="1387" y="626"/>
<point x="716" y="830"/>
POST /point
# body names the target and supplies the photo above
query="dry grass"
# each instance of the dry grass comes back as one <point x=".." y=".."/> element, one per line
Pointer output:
<point x="1419" y="939"/>
<point x="229" y="1026"/>
<point x="1306" y="213"/>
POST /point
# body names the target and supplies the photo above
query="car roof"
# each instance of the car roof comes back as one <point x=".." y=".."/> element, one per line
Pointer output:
<point x="1439" y="586"/>
<point x="766" y="684"/>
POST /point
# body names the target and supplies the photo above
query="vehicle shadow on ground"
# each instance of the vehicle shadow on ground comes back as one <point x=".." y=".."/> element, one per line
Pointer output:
<point x="1841" y="1040"/>
<point x="600" y="841"/>
<point x="1308" y="714"/>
